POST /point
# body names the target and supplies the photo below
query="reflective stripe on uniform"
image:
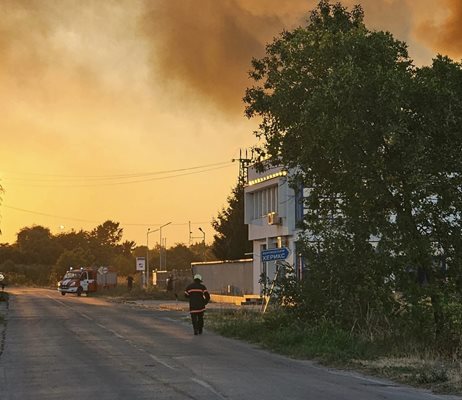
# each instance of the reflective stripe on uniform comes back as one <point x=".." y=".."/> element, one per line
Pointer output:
<point x="197" y="311"/>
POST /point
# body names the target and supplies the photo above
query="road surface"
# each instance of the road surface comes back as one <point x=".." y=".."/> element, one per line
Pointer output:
<point x="68" y="347"/>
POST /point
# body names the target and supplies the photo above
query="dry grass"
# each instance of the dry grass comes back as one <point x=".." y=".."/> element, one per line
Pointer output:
<point x="440" y="376"/>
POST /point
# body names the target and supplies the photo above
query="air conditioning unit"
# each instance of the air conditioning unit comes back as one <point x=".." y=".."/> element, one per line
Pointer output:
<point x="274" y="218"/>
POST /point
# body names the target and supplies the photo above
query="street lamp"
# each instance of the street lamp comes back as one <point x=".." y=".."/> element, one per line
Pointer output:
<point x="203" y="239"/>
<point x="160" y="244"/>
<point x="147" y="254"/>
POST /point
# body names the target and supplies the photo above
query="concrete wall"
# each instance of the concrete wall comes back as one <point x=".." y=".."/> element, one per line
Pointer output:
<point x="227" y="277"/>
<point x="181" y="279"/>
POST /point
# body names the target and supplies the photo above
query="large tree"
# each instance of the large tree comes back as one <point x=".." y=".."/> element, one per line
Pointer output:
<point x="36" y="246"/>
<point x="232" y="239"/>
<point x="105" y="242"/>
<point x="378" y="142"/>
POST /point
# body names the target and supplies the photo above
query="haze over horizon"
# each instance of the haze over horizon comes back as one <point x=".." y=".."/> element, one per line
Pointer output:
<point x="132" y="110"/>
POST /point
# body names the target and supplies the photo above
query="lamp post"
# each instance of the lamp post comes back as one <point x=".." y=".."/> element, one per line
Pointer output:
<point x="203" y="240"/>
<point x="160" y="243"/>
<point x="147" y="254"/>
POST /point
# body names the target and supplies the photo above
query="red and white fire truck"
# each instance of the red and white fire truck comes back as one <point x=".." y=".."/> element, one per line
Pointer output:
<point x="87" y="280"/>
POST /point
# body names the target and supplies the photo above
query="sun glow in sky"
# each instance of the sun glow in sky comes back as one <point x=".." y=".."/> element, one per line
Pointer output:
<point x="132" y="110"/>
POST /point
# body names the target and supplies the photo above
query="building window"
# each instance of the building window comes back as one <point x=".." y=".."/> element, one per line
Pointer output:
<point x="265" y="201"/>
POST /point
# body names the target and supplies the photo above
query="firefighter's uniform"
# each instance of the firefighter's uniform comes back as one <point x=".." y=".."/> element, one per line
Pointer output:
<point x="198" y="297"/>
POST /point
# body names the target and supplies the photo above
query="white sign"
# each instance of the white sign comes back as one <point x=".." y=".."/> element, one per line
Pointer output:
<point x="103" y="270"/>
<point x="140" y="263"/>
<point x="2" y="277"/>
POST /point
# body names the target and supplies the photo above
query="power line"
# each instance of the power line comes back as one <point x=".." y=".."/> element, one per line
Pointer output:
<point x="92" y="221"/>
<point x="46" y="215"/>
<point x="111" y="176"/>
<point x="128" y="178"/>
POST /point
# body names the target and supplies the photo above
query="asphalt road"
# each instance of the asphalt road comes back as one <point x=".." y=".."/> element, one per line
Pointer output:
<point x="67" y="347"/>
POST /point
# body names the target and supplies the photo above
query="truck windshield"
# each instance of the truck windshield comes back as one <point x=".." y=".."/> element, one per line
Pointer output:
<point x="72" y="275"/>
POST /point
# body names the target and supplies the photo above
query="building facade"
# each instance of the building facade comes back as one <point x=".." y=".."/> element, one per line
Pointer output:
<point x="272" y="209"/>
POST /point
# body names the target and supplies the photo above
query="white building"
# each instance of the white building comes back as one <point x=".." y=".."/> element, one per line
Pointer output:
<point x="272" y="210"/>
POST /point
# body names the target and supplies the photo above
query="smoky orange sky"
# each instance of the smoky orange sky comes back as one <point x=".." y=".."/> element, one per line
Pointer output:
<point x="132" y="110"/>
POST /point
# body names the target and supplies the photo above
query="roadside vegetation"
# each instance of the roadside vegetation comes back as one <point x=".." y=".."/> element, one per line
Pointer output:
<point x="371" y="144"/>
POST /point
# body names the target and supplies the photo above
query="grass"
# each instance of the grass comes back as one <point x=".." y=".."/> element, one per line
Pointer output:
<point x="431" y="372"/>
<point x="334" y="347"/>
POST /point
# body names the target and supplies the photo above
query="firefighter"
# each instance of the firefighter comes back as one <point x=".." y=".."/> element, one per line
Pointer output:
<point x="198" y="297"/>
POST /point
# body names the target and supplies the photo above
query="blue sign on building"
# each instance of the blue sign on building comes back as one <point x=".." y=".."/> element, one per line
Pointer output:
<point x="280" y="253"/>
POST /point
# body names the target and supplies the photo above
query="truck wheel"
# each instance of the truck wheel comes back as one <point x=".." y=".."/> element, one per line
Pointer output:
<point x="63" y="293"/>
<point x="79" y="291"/>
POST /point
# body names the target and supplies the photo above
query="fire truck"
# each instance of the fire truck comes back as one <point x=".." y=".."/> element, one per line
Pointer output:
<point x="87" y="280"/>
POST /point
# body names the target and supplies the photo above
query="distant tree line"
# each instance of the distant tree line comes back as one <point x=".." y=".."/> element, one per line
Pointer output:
<point x="39" y="257"/>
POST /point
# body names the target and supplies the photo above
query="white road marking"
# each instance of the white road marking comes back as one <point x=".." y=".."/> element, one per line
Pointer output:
<point x="207" y="386"/>
<point x="116" y="334"/>
<point x="86" y="316"/>
<point x="157" y="359"/>
<point x="57" y="301"/>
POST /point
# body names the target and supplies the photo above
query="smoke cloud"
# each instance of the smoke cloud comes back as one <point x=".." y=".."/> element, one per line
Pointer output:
<point x="203" y="47"/>
<point x="445" y="34"/>
<point x="23" y="31"/>
<point x="209" y="44"/>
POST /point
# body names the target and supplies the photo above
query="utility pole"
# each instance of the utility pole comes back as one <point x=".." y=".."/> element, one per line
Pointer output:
<point x="244" y="163"/>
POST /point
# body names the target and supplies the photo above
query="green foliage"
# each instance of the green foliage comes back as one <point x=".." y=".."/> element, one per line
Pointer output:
<point x="124" y="265"/>
<point x="450" y="328"/>
<point x="104" y="242"/>
<point x="36" y="245"/>
<point x="434" y="375"/>
<point x="329" y="291"/>
<point x="29" y="274"/>
<point x="72" y="240"/>
<point x="102" y="246"/>
<point x="231" y="241"/>
<point x="280" y="332"/>
<point x="181" y="256"/>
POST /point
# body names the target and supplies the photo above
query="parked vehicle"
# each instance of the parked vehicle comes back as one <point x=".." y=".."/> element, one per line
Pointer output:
<point x="87" y="280"/>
